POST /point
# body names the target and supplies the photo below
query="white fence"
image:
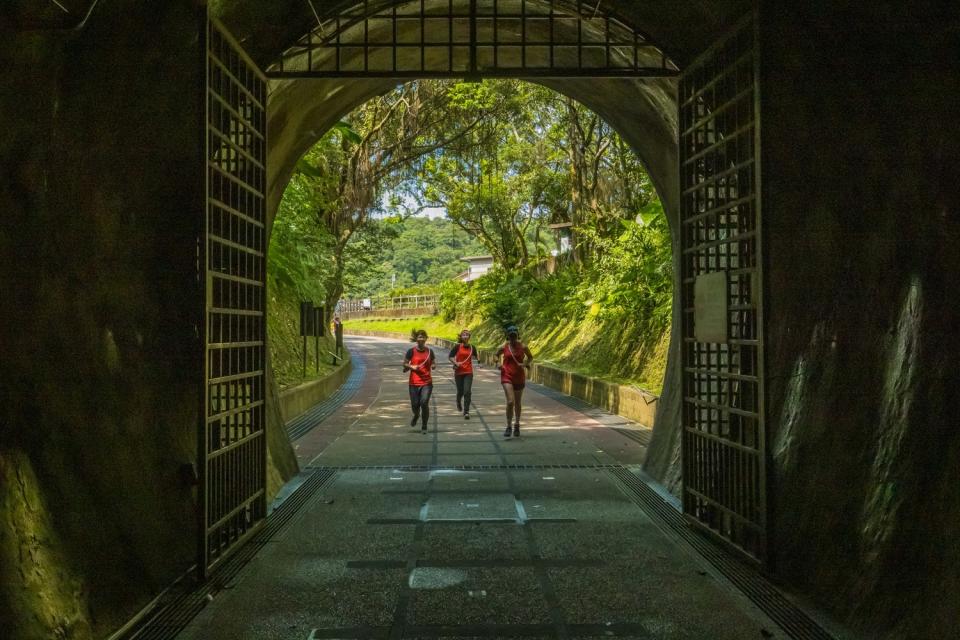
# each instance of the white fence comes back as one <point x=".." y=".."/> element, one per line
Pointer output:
<point x="398" y="306"/>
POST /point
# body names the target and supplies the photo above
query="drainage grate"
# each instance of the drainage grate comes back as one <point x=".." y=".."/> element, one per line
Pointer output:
<point x="470" y="631"/>
<point x="638" y="436"/>
<point x="570" y="401"/>
<point x="303" y="424"/>
<point x="466" y="467"/>
<point x="794" y="621"/>
<point x="184" y="601"/>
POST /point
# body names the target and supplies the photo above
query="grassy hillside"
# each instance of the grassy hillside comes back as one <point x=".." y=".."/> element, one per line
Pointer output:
<point x="286" y="345"/>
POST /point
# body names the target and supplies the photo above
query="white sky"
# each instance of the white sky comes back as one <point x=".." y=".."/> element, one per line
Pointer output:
<point x="430" y="212"/>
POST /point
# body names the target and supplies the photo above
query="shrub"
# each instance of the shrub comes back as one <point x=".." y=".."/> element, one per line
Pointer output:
<point x="453" y="294"/>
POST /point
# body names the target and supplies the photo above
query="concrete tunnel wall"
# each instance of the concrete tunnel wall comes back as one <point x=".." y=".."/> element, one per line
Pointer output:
<point x="861" y="162"/>
<point x="99" y="371"/>
<point x="863" y="242"/>
<point x="101" y="196"/>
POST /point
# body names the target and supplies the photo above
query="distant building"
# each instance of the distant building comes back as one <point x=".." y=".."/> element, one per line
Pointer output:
<point x="564" y="233"/>
<point x="478" y="265"/>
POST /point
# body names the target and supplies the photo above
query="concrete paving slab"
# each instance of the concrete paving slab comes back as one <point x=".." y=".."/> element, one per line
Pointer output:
<point x="469" y="481"/>
<point x="666" y="604"/>
<point x="466" y="506"/>
<point x="611" y="541"/>
<point x="507" y="596"/>
<point x="470" y="541"/>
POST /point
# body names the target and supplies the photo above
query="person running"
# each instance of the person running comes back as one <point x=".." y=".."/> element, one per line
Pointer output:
<point x="461" y="357"/>
<point x="515" y="358"/>
<point x="419" y="361"/>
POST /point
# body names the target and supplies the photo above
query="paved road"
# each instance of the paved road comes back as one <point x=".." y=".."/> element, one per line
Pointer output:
<point x="374" y="427"/>
<point x="459" y="533"/>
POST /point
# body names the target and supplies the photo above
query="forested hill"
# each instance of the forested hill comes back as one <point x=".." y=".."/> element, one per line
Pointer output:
<point x="421" y="252"/>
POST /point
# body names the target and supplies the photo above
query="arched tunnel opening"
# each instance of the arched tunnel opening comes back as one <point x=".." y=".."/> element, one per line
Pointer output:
<point x="502" y="203"/>
<point x="831" y="375"/>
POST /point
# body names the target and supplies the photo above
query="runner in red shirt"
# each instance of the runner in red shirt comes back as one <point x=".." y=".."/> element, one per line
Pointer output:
<point x="419" y="361"/>
<point x="514" y="357"/>
<point x="461" y="357"/>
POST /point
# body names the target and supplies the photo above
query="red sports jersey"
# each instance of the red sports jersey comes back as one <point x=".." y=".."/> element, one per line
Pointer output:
<point x="420" y="361"/>
<point x="463" y="359"/>
<point x="511" y="369"/>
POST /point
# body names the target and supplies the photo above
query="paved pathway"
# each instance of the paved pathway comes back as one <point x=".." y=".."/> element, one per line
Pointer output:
<point x="462" y="534"/>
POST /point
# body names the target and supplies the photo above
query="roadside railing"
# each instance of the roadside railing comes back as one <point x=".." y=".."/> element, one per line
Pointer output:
<point x="394" y="307"/>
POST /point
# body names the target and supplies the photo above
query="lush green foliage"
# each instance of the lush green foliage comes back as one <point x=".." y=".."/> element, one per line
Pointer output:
<point x="421" y="254"/>
<point x="286" y="345"/>
<point x="629" y="276"/>
<point x="433" y="325"/>
<point x="609" y="318"/>
<point x="632" y="274"/>
<point x="505" y="160"/>
<point x="544" y="159"/>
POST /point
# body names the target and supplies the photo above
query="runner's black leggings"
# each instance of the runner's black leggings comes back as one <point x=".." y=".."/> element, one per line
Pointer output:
<point x="464" y="387"/>
<point x="420" y="401"/>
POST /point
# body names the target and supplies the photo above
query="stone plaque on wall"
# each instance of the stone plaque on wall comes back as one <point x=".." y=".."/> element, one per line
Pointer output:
<point x="710" y="315"/>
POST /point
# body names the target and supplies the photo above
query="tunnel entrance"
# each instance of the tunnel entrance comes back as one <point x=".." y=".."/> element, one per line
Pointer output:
<point x="723" y="428"/>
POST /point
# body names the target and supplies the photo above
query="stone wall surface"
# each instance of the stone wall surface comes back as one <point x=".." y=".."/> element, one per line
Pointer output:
<point x="861" y="162"/>
<point x="99" y="367"/>
<point x="101" y="197"/>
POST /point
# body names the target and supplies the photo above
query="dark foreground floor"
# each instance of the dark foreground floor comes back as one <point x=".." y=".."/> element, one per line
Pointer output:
<point x="461" y="534"/>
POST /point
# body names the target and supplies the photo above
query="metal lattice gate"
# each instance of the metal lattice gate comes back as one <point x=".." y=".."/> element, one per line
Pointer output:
<point x="233" y="450"/>
<point x="724" y="440"/>
<point x="472" y="38"/>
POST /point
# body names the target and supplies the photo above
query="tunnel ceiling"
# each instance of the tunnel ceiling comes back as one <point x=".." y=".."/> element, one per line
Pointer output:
<point x="642" y="110"/>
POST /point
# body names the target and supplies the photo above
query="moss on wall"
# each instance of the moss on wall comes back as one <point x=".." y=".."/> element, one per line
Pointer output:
<point x="42" y="589"/>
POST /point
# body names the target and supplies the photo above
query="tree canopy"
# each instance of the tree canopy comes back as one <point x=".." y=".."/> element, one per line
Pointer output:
<point x="504" y="160"/>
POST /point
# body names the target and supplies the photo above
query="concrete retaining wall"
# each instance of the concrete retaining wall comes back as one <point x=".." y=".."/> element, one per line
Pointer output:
<point x="629" y="402"/>
<point x="297" y="400"/>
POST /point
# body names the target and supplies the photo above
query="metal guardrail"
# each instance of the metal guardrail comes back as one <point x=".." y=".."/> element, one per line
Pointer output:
<point x="423" y="304"/>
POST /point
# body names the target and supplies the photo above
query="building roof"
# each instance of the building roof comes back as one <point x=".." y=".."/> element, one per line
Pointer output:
<point x="476" y="258"/>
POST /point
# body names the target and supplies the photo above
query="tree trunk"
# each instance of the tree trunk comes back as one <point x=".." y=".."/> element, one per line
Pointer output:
<point x="335" y="288"/>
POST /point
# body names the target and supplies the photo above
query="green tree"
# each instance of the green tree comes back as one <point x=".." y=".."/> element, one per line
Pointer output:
<point x="341" y="181"/>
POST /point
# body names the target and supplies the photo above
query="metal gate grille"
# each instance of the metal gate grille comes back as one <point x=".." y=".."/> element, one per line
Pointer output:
<point x="232" y="435"/>
<point x="724" y="443"/>
<point x="457" y="38"/>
